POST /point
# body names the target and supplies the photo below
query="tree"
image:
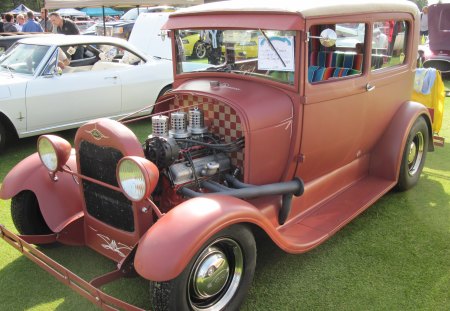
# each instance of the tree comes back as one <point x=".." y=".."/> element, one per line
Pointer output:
<point x="8" y="5"/>
<point x="420" y="3"/>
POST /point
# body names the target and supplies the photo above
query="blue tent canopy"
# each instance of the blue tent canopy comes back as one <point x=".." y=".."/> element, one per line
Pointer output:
<point x="21" y="9"/>
<point x="99" y="12"/>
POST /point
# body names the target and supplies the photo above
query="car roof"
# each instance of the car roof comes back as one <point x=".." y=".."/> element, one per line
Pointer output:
<point x="308" y="9"/>
<point x="61" y="40"/>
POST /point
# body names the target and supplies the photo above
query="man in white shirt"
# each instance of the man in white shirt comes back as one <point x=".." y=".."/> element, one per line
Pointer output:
<point x="424" y="22"/>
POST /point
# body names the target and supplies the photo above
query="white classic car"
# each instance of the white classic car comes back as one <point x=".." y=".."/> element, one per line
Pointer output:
<point x="103" y="77"/>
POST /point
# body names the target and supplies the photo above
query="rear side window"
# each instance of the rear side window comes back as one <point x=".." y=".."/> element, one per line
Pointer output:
<point x="339" y="59"/>
<point x="389" y="44"/>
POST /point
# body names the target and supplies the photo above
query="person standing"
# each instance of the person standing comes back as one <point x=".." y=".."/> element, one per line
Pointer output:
<point x="424" y="22"/>
<point x="20" y="19"/>
<point x="9" y="25"/>
<point x="63" y="25"/>
<point x="31" y="25"/>
<point x="45" y="22"/>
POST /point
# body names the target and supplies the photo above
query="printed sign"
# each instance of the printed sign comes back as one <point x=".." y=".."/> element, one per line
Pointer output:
<point x="282" y="59"/>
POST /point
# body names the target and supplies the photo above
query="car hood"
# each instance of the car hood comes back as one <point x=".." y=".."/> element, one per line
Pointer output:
<point x="255" y="103"/>
<point x="439" y="26"/>
<point x="116" y="23"/>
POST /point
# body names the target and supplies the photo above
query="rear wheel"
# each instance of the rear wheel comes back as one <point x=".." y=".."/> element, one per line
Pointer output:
<point x="414" y="155"/>
<point x="217" y="278"/>
<point x="164" y="91"/>
<point x="26" y="214"/>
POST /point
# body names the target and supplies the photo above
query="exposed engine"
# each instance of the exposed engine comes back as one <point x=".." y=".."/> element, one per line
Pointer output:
<point x="193" y="161"/>
<point x="185" y="152"/>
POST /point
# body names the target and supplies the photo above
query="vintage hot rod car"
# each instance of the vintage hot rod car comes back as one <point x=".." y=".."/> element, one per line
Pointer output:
<point x="295" y="142"/>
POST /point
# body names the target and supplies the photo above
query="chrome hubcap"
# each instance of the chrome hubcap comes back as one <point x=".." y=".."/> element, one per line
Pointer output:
<point x="415" y="153"/>
<point x="212" y="273"/>
<point x="216" y="275"/>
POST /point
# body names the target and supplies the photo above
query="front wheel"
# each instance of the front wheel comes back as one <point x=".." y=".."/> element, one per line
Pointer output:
<point x="26" y="214"/>
<point x="217" y="278"/>
<point x="2" y="138"/>
<point x="414" y="155"/>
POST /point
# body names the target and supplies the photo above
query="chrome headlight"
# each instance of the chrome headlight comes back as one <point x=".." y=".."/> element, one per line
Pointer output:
<point x="54" y="151"/>
<point x="137" y="177"/>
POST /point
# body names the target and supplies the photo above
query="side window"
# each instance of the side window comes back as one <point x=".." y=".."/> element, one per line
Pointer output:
<point x="51" y="65"/>
<point x="389" y="43"/>
<point x="340" y="57"/>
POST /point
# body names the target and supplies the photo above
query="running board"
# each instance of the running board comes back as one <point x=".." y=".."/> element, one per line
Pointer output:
<point x="310" y="229"/>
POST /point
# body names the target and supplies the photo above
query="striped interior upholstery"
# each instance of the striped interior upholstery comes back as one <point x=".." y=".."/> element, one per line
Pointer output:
<point x="325" y="65"/>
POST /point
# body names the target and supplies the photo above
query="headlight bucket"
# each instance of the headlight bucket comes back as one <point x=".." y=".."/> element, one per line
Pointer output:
<point x="53" y="151"/>
<point x="137" y="177"/>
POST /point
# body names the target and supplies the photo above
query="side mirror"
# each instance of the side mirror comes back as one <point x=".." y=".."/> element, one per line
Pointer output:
<point x="163" y="34"/>
<point x="327" y="37"/>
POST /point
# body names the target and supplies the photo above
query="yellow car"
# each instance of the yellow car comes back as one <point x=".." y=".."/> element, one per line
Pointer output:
<point x="196" y="48"/>
<point x="193" y="46"/>
<point x="247" y="49"/>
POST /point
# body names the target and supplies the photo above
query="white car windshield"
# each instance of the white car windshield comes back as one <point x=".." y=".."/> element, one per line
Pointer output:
<point x="268" y="54"/>
<point x="23" y="58"/>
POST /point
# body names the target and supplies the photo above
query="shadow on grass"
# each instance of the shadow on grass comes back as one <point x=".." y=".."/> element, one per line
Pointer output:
<point x="439" y="159"/>
<point x="392" y="257"/>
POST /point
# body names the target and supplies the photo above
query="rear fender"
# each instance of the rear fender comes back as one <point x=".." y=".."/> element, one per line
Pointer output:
<point x="387" y="155"/>
<point x="60" y="201"/>
<point x="168" y="246"/>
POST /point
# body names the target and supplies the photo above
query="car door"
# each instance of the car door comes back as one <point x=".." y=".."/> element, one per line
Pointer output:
<point x="60" y="101"/>
<point x="142" y="83"/>
<point x="336" y="104"/>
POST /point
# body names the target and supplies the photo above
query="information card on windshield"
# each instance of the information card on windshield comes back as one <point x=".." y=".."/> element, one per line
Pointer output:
<point x="278" y="54"/>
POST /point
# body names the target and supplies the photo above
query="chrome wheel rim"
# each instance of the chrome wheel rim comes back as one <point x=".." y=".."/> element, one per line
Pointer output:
<point x="200" y="50"/>
<point x="415" y="153"/>
<point x="215" y="275"/>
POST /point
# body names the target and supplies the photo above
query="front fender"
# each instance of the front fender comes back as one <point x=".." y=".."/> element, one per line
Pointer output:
<point x="387" y="155"/>
<point x="168" y="246"/>
<point x="60" y="201"/>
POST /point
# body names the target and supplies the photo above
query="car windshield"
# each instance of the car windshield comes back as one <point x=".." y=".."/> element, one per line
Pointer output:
<point x="267" y="54"/>
<point x="23" y="58"/>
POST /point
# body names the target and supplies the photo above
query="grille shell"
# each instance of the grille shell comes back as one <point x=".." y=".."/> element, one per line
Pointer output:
<point x="104" y="204"/>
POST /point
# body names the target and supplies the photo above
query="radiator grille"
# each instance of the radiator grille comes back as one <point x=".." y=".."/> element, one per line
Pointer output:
<point x="107" y="205"/>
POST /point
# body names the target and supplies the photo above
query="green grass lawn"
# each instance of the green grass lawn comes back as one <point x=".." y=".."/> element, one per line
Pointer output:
<point x="395" y="256"/>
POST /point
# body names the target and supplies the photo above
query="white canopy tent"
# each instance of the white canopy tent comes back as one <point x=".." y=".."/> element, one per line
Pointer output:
<point x="58" y="4"/>
<point x="70" y="12"/>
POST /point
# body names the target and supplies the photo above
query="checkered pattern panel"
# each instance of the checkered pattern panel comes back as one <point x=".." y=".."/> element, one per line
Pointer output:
<point x="221" y="119"/>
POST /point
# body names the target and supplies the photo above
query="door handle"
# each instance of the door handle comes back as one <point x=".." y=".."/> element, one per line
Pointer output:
<point x="370" y="87"/>
<point x="113" y="77"/>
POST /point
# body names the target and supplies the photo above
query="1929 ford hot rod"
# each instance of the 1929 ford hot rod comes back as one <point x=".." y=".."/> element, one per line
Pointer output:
<point x="297" y="141"/>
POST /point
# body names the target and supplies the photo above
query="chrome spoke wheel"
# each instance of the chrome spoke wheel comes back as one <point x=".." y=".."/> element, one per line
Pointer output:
<point x="215" y="275"/>
<point x="200" y="50"/>
<point x="415" y="154"/>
